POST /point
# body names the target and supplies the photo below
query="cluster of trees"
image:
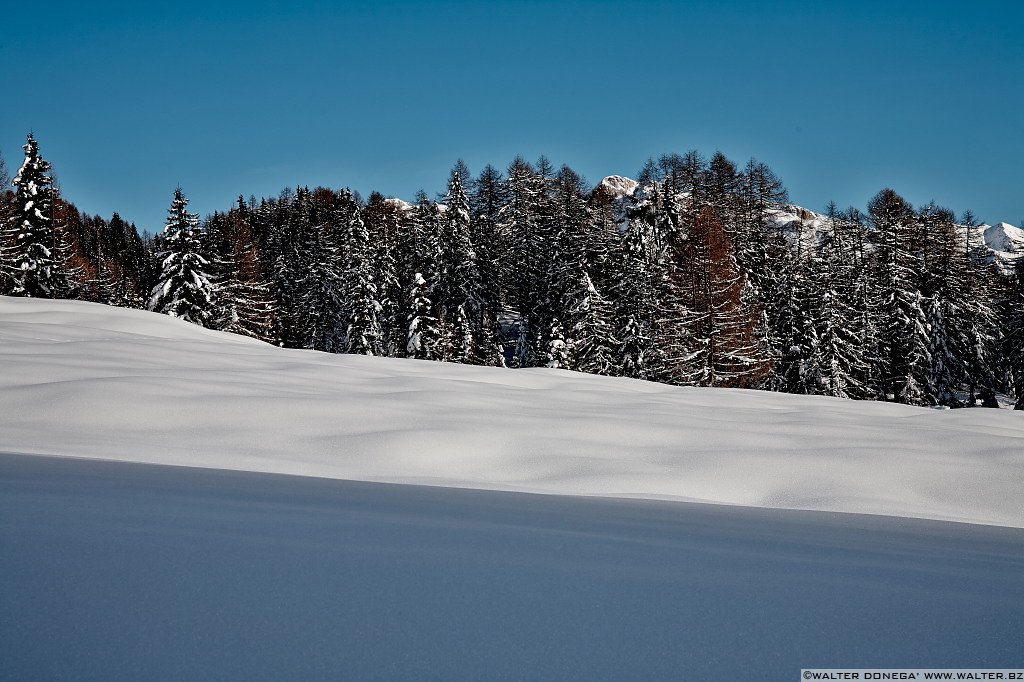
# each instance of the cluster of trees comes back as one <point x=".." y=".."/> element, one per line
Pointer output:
<point x="49" y="249"/>
<point x="687" y="279"/>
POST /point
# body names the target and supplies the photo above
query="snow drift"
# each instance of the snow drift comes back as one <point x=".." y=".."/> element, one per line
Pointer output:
<point x="85" y="380"/>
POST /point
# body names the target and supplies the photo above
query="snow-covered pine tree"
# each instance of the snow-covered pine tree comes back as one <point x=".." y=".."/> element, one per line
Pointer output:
<point x="363" y="332"/>
<point x="799" y="364"/>
<point x="284" y="226"/>
<point x="566" y="253"/>
<point x="424" y="337"/>
<point x="390" y="239"/>
<point x="1012" y="339"/>
<point x="324" y="292"/>
<point x="866" y="300"/>
<point x="32" y="259"/>
<point x="518" y="227"/>
<point x="426" y="225"/>
<point x="975" y="281"/>
<point x="486" y="201"/>
<point x="839" y="349"/>
<point x="941" y="284"/>
<point x="673" y="277"/>
<point x="558" y="349"/>
<point x="543" y="284"/>
<point x="904" y="335"/>
<point x="636" y="304"/>
<point x="592" y="345"/>
<point x="183" y="289"/>
<point x="460" y="289"/>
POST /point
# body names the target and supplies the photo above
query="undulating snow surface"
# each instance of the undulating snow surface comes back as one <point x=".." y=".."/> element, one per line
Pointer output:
<point x="85" y="380"/>
<point x="121" y="571"/>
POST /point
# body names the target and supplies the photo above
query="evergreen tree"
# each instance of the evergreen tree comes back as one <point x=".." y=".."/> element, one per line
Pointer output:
<point x="1012" y="340"/>
<point x="32" y="255"/>
<point x="184" y="289"/>
<point x="518" y="223"/>
<point x="799" y="364"/>
<point x="363" y="333"/>
<point x="460" y="288"/>
<point x="424" y="337"/>
<point x="840" y="348"/>
<point x="391" y="244"/>
<point x="635" y="294"/>
<point x="592" y="346"/>
<point x="906" y="361"/>
<point x="487" y="200"/>
<point x="558" y="349"/>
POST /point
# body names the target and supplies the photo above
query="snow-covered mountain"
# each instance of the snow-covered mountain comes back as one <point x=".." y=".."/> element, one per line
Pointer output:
<point x="1004" y="241"/>
<point x="87" y="380"/>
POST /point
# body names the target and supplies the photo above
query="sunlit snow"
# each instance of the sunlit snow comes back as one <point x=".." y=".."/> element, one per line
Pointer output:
<point x="85" y="380"/>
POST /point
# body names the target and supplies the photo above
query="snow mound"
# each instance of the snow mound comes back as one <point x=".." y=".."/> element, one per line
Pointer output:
<point x="85" y="380"/>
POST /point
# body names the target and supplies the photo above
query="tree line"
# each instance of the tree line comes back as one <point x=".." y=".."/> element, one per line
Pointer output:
<point x="688" y="278"/>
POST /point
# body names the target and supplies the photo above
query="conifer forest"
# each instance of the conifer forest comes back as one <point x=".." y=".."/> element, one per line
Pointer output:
<point x="698" y="273"/>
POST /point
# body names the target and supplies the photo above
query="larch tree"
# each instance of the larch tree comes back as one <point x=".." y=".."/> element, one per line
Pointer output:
<point x="725" y="345"/>
<point x="247" y="306"/>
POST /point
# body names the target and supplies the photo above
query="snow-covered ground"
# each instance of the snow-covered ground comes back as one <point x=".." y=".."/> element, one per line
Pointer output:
<point x="132" y="570"/>
<point x="85" y="380"/>
<point x="113" y="571"/>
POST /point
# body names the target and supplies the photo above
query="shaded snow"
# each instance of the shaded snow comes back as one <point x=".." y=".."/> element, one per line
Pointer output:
<point x="85" y="380"/>
<point x="113" y="570"/>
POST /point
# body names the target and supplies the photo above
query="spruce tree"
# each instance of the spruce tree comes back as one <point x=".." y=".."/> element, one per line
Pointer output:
<point x="389" y="238"/>
<point x="518" y="223"/>
<point x="460" y="288"/>
<point x="635" y="296"/>
<point x="558" y="349"/>
<point x="592" y="346"/>
<point x="363" y="333"/>
<point x="906" y="360"/>
<point x="423" y="338"/>
<point x="183" y="290"/>
<point x="1012" y="340"/>
<point x="486" y="202"/>
<point x="32" y="255"/>
<point x="840" y="348"/>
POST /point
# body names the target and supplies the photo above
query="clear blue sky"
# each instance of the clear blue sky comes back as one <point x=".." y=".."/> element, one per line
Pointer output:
<point x="129" y="99"/>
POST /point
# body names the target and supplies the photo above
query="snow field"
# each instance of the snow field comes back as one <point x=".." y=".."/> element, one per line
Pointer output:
<point x="84" y="380"/>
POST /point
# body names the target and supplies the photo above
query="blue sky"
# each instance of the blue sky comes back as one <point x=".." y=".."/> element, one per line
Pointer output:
<point x="130" y="99"/>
